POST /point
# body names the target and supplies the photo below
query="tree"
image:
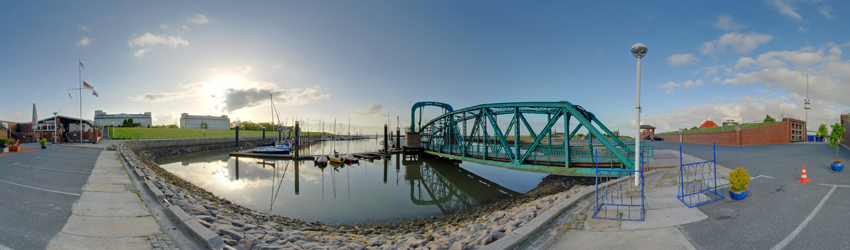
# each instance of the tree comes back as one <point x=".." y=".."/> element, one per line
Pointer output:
<point x="769" y="119"/>
<point x="836" y="137"/>
<point x="822" y="131"/>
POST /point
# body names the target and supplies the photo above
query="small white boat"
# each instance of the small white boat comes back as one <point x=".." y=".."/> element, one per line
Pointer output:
<point x="350" y="159"/>
<point x="321" y="160"/>
<point x="279" y="148"/>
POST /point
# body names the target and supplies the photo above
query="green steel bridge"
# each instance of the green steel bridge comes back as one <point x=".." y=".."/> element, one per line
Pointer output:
<point x="475" y="134"/>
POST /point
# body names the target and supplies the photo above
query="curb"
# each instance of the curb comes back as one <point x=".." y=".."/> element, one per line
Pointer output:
<point x="207" y="237"/>
<point x="513" y="239"/>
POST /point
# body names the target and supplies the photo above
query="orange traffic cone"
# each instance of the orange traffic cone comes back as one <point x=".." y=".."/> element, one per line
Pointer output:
<point x="803" y="177"/>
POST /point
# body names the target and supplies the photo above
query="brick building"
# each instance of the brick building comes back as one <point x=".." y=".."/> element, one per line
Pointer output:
<point x="787" y="131"/>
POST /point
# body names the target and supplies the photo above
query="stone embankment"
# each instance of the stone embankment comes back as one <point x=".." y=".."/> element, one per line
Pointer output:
<point x="245" y="228"/>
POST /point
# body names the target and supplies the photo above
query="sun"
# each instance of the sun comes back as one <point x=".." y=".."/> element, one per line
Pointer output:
<point x="216" y="89"/>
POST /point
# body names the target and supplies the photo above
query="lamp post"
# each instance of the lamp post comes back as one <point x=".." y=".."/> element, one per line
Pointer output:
<point x="55" y="125"/>
<point x="638" y="50"/>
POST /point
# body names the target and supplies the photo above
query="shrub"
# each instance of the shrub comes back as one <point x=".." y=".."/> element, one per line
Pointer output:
<point x="739" y="179"/>
<point x="42" y="141"/>
<point x="5" y="141"/>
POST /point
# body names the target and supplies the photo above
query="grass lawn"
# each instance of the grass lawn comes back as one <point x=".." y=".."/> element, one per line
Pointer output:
<point x="170" y="133"/>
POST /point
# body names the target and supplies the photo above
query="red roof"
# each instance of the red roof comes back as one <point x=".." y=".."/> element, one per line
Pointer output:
<point x="708" y="124"/>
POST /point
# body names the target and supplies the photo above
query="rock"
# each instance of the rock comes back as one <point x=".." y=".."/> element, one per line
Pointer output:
<point x="415" y="243"/>
<point x="460" y="246"/>
<point x="272" y="239"/>
<point x="233" y="235"/>
<point x="230" y="242"/>
<point x="238" y="224"/>
<point x="267" y="247"/>
<point x="204" y="223"/>
<point x="355" y="246"/>
<point x="206" y="218"/>
<point x="438" y="244"/>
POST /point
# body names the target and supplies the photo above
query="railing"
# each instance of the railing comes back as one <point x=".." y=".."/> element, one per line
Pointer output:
<point x="622" y="200"/>
<point x="550" y="153"/>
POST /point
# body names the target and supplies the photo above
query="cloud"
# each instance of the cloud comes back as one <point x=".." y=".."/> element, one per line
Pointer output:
<point x="246" y="70"/>
<point x="165" y="119"/>
<point x="725" y="22"/>
<point x="670" y="86"/>
<point x="681" y="59"/>
<point x="163" y="26"/>
<point x="156" y="97"/>
<point x="236" y="99"/>
<point x="373" y="110"/>
<point x="185" y="27"/>
<point x="802" y="30"/>
<point x="84" y="28"/>
<point x="85" y="41"/>
<point x="825" y="10"/>
<point x="690" y="83"/>
<point x="199" y="20"/>
<point x="741" y="43"/>
<point x="149" y="40"/>
<point x="785" y="7"/>
<point x="716" y="79"/>
<point x="744" y="63"/>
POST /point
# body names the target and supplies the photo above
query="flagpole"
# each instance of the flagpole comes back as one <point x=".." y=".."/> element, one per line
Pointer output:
<point x="80" y="69"/>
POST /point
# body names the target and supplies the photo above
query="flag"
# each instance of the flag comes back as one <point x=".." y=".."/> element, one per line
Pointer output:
<point x="86" y="85"/>
<point x="94" y="93"/>
<point x="82" y="66"/>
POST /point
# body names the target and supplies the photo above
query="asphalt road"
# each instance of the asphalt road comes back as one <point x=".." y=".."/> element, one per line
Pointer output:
<point x="778" y="211"/>
<point x="37" y="191"/>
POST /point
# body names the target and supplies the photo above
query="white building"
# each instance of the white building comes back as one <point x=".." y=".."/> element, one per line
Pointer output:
<point x="211" y="122"/>
<point x="103" y="119"/>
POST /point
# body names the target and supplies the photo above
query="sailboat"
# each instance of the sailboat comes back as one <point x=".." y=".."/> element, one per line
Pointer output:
<point x="276" y="147"/>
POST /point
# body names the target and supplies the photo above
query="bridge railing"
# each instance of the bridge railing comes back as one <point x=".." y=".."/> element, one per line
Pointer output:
<point x="548" y="153"/>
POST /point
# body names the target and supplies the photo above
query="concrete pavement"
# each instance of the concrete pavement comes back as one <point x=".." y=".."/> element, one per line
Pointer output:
<point x="110" y="214"/>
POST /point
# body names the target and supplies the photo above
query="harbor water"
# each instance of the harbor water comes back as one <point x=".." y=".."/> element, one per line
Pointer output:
<point x="391" y="189"/>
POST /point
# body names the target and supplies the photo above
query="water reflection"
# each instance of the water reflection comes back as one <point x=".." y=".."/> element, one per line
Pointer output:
<point x="428" y="186"/>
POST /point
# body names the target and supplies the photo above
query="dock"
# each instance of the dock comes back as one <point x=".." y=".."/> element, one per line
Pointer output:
<point x="364" y="155"/>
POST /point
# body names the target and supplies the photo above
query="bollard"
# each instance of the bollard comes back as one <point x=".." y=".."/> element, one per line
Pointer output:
<point x="397" y="137"/>
<point x="237" y="137"/>
<point x="297" y="139"/>
<point x="386" y="142"/>
<point x="264" y="133"/>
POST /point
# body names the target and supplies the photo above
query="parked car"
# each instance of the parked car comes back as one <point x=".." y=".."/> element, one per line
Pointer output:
<point x="657" y="138"/>
<point x="647" y="138"/>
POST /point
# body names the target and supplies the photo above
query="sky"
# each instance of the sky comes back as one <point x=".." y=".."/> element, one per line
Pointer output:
<point x="366" y="60"/>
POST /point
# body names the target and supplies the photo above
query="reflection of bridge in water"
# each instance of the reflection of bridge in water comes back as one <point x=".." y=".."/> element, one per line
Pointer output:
<point x="448" y="186"/>
<point x="475" y="134"/>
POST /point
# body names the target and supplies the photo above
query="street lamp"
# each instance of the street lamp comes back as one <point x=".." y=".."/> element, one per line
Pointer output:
<point x="55" y="125"/>
<point x="639" y="51"/>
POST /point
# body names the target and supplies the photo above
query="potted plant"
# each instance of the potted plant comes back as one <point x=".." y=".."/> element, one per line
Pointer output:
<point x="3" y="143"/>
<point x="14" y="146"/>
<point x="739" y="179"/>
<point x="836" y="137"/>
<point x="41" y="142"/>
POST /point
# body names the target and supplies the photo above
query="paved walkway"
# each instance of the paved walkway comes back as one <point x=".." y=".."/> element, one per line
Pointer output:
<point x="577" y="229"/>
<point x="110" y="213"/>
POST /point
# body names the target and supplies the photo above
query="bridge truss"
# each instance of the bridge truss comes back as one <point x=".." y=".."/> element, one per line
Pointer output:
<point x="475" y="134"/>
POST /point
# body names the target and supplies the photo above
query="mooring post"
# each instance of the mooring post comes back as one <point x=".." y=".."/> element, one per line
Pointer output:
<point x="386" y="142"/>
<point x="264" y="133"/>
<point x="297" y="187"/>
<point x="237" y="137"/>
<point x="297" y="140"/>
<point x="397" y="137"/>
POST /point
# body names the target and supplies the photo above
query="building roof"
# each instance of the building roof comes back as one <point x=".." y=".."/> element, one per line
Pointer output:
<point x="646" y="127"/>
<point x="708" y="124"/>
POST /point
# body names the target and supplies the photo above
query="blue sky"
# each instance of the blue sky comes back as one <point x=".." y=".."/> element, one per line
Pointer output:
<point x="361" y="60"/>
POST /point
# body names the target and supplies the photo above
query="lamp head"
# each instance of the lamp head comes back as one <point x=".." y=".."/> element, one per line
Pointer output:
<point x="639" y="50"/>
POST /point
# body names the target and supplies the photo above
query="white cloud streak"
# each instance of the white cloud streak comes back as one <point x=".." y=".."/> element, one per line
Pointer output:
<point x="199" y="20"/>
<point x="725" y="22"/>
<point x="85" y="41"/>
<point x="84" y="28"/>
<point x="784" y="7"/>
<point x="826" y="11"/>
<point x="740" y="43"/>
<point x="148" y="41"/>
<point x="373" y="110"/>
<point x="681" y="59"/>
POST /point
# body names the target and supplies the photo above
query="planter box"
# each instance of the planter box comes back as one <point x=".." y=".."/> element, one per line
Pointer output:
<point x="4" y="150"/>
<point x="14" y="148"/>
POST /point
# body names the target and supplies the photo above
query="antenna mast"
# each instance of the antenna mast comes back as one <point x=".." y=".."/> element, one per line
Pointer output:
<point x="807" y="105"/>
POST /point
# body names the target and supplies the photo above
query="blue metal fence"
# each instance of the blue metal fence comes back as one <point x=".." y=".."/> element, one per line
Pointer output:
<point x="698" y="181"/>
<point x="622" y="200"/>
